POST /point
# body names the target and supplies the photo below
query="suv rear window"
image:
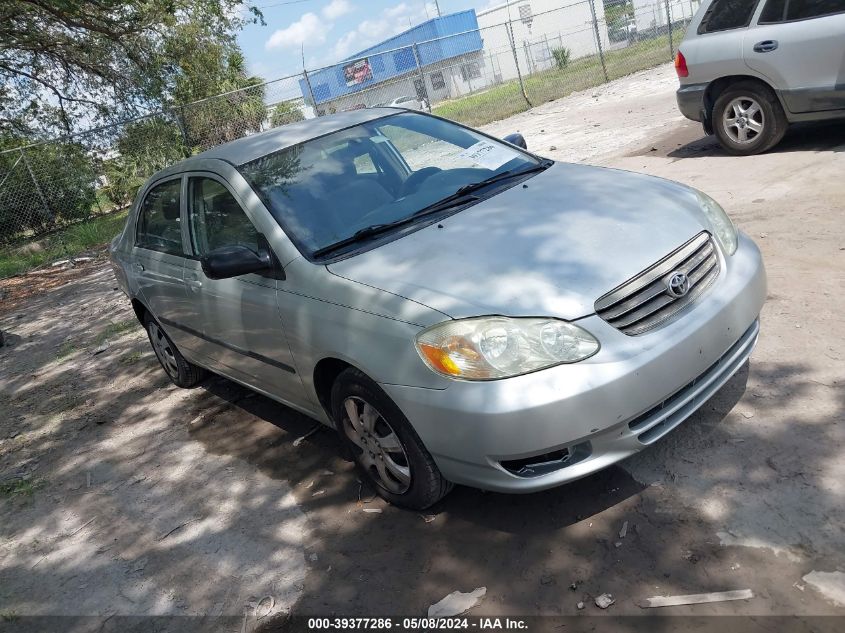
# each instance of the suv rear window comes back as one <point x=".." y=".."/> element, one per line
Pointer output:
<point x="789" y="10"/>
<point x="727" y="14"/>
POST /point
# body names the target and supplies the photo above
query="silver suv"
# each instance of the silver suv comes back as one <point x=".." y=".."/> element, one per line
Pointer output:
<point x="748" y="68"/>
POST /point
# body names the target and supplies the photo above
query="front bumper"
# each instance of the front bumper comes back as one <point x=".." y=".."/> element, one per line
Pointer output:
<point x="602" y="410"/>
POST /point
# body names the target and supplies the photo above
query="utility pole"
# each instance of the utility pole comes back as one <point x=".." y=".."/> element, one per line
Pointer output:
<point x="437" y="8"/>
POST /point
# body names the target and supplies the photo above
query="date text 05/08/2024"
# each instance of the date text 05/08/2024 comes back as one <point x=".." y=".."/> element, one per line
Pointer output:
<point x="417" y="624"/>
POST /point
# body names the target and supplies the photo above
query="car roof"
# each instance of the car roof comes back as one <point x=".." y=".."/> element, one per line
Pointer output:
<point x="255" y="146"/>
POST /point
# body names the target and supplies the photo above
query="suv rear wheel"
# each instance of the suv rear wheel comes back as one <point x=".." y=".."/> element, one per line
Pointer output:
<point x="748" y="119"/>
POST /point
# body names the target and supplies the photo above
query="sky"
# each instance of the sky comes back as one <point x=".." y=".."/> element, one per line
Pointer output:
<point x="330" y="30"/>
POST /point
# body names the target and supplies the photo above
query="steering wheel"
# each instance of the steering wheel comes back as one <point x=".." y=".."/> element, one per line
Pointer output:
<point x="416" y="179"/>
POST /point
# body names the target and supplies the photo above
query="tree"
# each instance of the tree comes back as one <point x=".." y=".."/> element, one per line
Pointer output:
<point x="64" y="61"/>
<point x="214" y="98"/>
<point x="284" y="113"/>
<point x="142" y="149"/>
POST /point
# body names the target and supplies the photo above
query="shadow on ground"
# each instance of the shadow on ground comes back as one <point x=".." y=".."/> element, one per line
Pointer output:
<point x="689" y="141"/>
<point x="193" y="494"/>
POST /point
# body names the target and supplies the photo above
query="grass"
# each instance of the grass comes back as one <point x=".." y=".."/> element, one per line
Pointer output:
<point x="67" y="242"/>
<point x="131" y="358"/>
<point x="113" y="329"/>
<point x="9" y="616"/>
<point x="506" y="99"/>
<point x="20" y="488"/>
<point x="67" y="349"/>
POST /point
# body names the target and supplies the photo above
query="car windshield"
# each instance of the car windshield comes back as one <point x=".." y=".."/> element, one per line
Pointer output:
<point x="376" y="174"/>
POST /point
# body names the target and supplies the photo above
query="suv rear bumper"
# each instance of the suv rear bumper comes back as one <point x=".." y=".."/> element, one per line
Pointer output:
<point x="691" y="101"/>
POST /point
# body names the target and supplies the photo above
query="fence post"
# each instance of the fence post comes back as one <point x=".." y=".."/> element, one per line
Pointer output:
<point x="310" y="92"/>
<point x="509" y="27"/>
<point x="669" y="22"/>
<point x="598" y="38"/>
<point x="50" y="215"/>
<point x="422" y="76"/>
<point x="180" y="123"/>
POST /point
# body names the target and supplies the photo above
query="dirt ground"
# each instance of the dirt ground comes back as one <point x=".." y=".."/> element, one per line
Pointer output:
<point x="122" y="494"/>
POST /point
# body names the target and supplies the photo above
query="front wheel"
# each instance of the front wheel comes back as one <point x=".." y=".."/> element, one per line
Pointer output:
<point x="383" y="444"/>
<point x="748" y="119"/>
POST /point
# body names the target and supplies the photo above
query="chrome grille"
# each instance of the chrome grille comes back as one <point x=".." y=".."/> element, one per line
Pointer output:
<point x="644" y="302"/>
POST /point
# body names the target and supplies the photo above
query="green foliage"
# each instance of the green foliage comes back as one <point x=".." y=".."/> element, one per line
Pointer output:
<point x="20" y="487"/>
<point x="67" y="61"/>
<point x="8" y="615"/>
<point x="144" y="148"/>
<point x="68" y="242"/>
<point x="65" y="189"/>
<point x="561" y="56"/>
<point x="618" y="13"/>
<point x="284" y="113"/>
<point x="211" y="68"/>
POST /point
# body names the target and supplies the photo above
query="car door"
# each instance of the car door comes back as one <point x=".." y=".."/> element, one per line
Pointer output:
<point x="800" y="46"/>
<point x="159" y="256"/>
<point x="240" y="321"/>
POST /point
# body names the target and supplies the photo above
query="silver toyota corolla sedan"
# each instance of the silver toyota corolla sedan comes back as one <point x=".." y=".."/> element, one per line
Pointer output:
<point x="460" y="310"/>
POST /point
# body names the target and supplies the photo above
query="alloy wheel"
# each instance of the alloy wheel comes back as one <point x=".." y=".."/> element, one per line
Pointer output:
<point x="378" y="448"/>
<point x="163" y="350"/>
<point x="743" y="120"/>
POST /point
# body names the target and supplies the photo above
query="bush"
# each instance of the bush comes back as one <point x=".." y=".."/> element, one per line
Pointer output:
<point x="284" y="113"/>
<point x="561" y="56"/>
<point x="63" y="190"/>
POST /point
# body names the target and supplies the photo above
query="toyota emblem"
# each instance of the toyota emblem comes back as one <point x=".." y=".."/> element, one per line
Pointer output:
<point x="677" y="285"/>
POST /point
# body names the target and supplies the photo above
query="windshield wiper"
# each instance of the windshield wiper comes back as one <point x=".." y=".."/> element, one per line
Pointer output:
<point x="505" y="175"/>
<point x="359" y="236"/>
<point x="463" y="194"/>
<point x="460" y="197"/>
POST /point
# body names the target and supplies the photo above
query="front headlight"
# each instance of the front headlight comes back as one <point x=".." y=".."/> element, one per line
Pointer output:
<point x="721" y="224"/>
<point x="487" y="348"/>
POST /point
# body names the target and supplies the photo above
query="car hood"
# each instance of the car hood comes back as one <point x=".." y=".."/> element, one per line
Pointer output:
<point x="548" y="247"/>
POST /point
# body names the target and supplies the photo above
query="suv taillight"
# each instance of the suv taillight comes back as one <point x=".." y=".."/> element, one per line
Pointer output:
<point x="681" y="65"/>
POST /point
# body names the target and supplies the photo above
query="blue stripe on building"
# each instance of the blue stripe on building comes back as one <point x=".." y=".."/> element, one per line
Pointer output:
<point x="437" y="40"/>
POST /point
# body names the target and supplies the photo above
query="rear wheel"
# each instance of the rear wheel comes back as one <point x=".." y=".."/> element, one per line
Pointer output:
<point x="383" y="444"/>
<point x="748" y="119"/>
<point x="180" y="371"/>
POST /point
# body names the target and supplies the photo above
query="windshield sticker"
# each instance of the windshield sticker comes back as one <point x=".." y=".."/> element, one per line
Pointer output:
<point x="488" y="155"/>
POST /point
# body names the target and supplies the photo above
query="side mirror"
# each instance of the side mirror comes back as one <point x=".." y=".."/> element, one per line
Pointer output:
<point x="232" y="261"/>
<point x="516" y="139"/>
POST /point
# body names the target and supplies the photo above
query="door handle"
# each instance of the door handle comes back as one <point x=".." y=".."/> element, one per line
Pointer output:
<point x="194" y="284"/>
<point x="137" y="267"/>
<point x="766" y="46"/>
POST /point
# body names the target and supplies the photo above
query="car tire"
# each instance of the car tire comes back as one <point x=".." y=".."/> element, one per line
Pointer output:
<point x="744" y="134"/>
<point x="383" y="444"/>
<point x="181" y="372"/>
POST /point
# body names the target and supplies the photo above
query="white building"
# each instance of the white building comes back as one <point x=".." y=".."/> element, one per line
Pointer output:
<point x="650" y="15"/>
<point x="539" y="27"/>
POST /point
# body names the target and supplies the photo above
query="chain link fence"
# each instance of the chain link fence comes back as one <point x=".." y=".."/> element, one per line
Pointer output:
<point x="513" y="60"/>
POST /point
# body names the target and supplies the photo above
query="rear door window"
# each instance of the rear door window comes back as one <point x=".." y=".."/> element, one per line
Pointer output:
<point x="159" y="223"/>
<point x="724" y="15"/>
<point x="792" y="10"/>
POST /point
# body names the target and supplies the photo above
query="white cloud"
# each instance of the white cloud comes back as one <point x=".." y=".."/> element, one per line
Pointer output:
<point x="389" y="22"/>
<point x="309" y="29"/>
<point x="336" y="9"/>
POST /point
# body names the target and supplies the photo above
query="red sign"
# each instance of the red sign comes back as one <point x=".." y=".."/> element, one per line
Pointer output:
<point x="357" y="72"/>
